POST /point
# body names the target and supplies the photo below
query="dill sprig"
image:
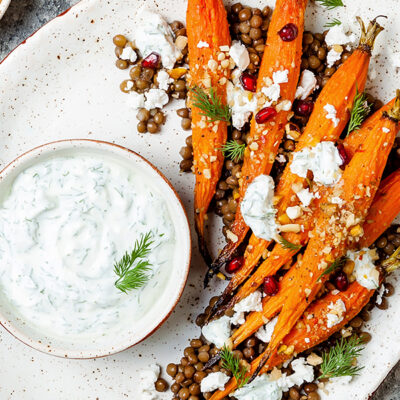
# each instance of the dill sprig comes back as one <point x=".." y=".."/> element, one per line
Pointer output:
<point x="233" y="150"/>
<point x="210" y="104"/>
<point x="338" y="263"/>
<point x="288" y="245"/>
<point x="333" y="23"/>
<point x="339" y="361"/>
<point x="232" y="363"/>
<point x="132" y="276"/>
<point x="331" y="4"/>
<point x="359" y="112"/>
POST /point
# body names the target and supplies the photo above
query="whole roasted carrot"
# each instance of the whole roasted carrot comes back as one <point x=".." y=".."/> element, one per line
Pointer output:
<point x="279" y="55"/>
<point x="384" y="209"/>
<point x="207" y="22"/>
<point x="333" y="233"/>
<point x="339" y="92"/>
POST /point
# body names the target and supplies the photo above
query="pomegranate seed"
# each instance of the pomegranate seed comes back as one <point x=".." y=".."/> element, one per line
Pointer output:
<point x="341" y="281"/>
<point x="303" y="107"/>
<point x="234" y="265"/>
<point x="265" y="114"/>
<point x="289" y="32"/>
<point x="270" y="286"/>
<point x="343" y="155"/>
<point x="151" y="61"/>
<point x="249" y="82"/>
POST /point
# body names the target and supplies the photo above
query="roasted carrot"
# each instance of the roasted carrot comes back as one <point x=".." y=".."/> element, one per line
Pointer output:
<point x="333" y="233"/>
<point x="354" y="298"/>
<point x="207" y="22"/>
<point x="339" y="92"/>
<point x="266" y="137"/>
<point x="386" y="206"/>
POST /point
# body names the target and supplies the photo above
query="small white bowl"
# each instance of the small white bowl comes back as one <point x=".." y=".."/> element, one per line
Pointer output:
<point x="107" y="343"/>
<point x="3" y="7"/>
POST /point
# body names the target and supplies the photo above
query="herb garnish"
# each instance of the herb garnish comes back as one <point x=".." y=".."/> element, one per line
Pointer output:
<point x="233" y="150"/>
<point x="359" y="112"/>
<point x="232" y="363"/>
<point x="288" y="245"/>
<point x="210" y="104"/>
<point x="132" y="277"/>
<point x="331" y="4"/>
<point x="338" y="263"/>
<point x="339" y="361"/>
<point x="333" y="23"/>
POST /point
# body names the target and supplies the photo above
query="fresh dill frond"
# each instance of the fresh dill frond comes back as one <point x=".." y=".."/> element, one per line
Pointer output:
<point x="338" y="263"/>
<point x="359" y="112"/>
<point x="288" y="245"/>
<point x="232" y="363"/>
<point x="132" y="276"/>
<point x="233" y="150"/>
<point x="340" y="359"/>
<point x="334" y="22"/>
<point x="210" y="104"/>
<point x="331" y="4"/>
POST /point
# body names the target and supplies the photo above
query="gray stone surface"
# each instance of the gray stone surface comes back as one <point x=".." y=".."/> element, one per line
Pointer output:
<point x="26" y="16"/>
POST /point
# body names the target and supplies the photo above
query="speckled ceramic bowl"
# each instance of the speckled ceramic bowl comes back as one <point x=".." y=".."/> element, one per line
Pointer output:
<point x="3" y="7"/>
<point x="129" y="335"/>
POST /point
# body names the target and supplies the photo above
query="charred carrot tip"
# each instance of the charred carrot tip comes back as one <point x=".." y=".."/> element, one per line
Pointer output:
<point x="369" y="35"/>
<point x="394" y="112"/>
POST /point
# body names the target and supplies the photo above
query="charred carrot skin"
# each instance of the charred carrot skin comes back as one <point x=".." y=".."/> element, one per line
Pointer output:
<point x="339" y="92"/>
<point x="207" y="21"/>
<point x="358" y="186"/>
<point x="265" y="138"/>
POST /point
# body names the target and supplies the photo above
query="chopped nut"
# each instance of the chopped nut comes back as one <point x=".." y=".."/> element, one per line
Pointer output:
<point x="349" y="267"/>
<point x="224" y="48"/>
<point x="225" y="63"/>
<point x="213" y="65"/>
<point x="284" y="219"/>
<point x="231" y="236"/>
<point x="295" y="228"/>
<point x="177" y="73"/>
<point x="221" y="276"/>
<point x="338" y="48"/>
<point x="207" y="173"/>
<point x="314" y="360"/>
<point x="356" y="230"/>
<point x="254" y="146"/>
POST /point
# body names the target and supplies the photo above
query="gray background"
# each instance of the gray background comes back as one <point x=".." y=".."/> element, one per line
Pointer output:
<point x="23" y="18"/>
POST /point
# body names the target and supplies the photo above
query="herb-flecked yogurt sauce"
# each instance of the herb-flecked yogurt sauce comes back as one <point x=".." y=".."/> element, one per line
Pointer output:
<point x="63" y="225"/>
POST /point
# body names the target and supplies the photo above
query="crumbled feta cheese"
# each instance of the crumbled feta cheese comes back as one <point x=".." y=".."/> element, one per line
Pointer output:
<point x="332" y="57"/>
<point x="164" y="80"/>
<point x="202" y="44"/>
<point x="128" y="54"/>
<point x="302" y="373"/>
<point x="339" y="34"/>
<point x="305" y="197"/>
<point x="265" y="332"/>
<point x="331" y="114"/>
<point x="380" y="294"/>
<point x="218" y="331"/>
<point x="335" y="316"/>
<point x="364" y="269"/>
<point x="273" y="93"/>
<point x="156" y="98"/>
<point x="214" y="381"/>
<point x="155" y="35"/>
<point x="280" y="76"/>
<point x="136" y="100"/>
<point x="323" y="160"/>
<point x="385" y="130"/>
<point x="307" y="84"/>
<point x="239" y="55"/>
<point x="257" y="207"/>
<point x="148" y="378"/>
<point x="250" y="303"/>
<point x="242" y="104"/>
<point x="259" y="389"/>
<point x="293" y="212"/>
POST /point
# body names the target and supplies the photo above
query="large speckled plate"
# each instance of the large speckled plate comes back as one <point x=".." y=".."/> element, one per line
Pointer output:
<point x="62" y="83"/>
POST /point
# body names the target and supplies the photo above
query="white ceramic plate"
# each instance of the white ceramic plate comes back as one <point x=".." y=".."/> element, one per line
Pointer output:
<point x="3" y="7"/>
<point x="62" y="83"/>
<point x="128" y="335"/>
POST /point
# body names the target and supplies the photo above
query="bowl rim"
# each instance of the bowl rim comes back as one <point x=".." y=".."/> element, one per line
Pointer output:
<point x="58" y="352"/>
<point x="4" y="4"/>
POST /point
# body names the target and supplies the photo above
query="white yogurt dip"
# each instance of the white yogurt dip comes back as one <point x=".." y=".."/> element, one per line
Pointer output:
<point x="63" y="225"/>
